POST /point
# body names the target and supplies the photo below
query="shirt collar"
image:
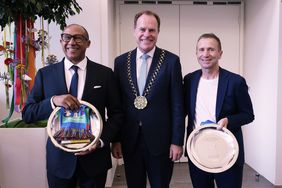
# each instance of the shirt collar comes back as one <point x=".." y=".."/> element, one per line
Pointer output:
<point x="150" y="53"/>
<point x="82" y="64"/>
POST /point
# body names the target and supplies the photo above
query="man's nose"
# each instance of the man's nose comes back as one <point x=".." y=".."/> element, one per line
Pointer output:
<point x="147" y="32"/>
<point x="206" y="53"/>
<point x="72" y="40"/>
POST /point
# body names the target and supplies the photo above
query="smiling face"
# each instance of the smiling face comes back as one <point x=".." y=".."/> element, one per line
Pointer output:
<point x="208" y="53"/>
<point x="74" y="50"/>
<point x="146" y="32"/>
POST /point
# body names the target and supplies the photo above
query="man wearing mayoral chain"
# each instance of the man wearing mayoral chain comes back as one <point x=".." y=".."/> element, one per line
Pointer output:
<point x="150" y="81"/>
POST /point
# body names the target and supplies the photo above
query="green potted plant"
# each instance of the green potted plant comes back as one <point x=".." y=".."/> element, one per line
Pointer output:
<point x="52" y="10"/>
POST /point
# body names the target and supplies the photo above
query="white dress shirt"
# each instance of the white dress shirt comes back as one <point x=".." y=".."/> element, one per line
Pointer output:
<point x="68" y="76"/>
<point x="138" y="61"/>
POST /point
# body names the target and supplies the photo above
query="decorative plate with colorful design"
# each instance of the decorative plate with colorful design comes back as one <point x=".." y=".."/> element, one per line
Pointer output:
<point x="75" y="131"/>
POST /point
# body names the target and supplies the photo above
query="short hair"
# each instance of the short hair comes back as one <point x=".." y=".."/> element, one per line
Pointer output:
<point x="85" y="31"/>
<point x="210" y="35"/>
<point x="147" y="12"/>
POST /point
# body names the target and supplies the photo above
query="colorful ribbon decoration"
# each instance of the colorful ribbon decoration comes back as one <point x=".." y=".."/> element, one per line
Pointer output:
<point x="19" y="53"/>
<point x="31" y="68"/>
<point x="22" y="68"/>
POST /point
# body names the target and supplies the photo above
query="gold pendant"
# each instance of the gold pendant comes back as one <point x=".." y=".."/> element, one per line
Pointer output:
<point x="140" y="102"/>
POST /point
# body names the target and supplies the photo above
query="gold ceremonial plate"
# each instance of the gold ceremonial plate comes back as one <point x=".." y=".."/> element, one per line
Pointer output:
<point x="212" y="150"/>
<point x="75" y="131"/>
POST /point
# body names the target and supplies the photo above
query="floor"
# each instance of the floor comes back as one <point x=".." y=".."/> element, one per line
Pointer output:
<point x="181" y="179"/>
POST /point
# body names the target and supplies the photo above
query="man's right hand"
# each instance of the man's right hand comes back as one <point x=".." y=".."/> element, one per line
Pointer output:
<point x="116" y="150"/>
<point x="67" y="101"/>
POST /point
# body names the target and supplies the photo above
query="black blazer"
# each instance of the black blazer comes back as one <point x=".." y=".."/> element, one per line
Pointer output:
<point x="233" y="101"/>
<point x="50" y="81"/>
<point x="163" y="118"/>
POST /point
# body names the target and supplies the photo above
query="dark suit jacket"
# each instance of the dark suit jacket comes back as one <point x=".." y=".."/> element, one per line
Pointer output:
<point x="50" y="81"/>
<point x="163" y="118"/>
<point x="233" y="102"/>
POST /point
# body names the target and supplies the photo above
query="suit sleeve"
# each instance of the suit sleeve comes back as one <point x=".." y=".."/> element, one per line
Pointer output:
<point x="244" y="108"/>
<point x="186" y="87"/>
<point x="114" y="110"/>
<point x="37" y="106"/>
<point x="177" y="104"/>
<point x="117" y="137"/>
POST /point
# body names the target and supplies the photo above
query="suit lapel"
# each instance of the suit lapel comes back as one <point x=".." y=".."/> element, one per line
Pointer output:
<point x="133" y="69"/>
<point x="194" y="90"/>
<point x="222" y="85"/>
<point x="89" y="80"/>
<point x="152" y="69"/>
<point x="153" y="65"/>
<point x="60" y="73"/>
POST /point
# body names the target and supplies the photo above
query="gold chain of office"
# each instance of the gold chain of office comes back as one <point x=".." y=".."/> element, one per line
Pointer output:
<point x="140" y="102"/>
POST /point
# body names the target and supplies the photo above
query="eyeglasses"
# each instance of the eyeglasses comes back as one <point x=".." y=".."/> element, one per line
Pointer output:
<point x="77" y="38"/>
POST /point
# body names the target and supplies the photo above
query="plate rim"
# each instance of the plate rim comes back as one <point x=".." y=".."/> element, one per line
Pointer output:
<point x="204" y="168"/>
<point x="49" y="132"/>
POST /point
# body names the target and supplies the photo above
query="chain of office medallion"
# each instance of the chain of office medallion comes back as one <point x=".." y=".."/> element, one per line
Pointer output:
<point x="153" y="78"/>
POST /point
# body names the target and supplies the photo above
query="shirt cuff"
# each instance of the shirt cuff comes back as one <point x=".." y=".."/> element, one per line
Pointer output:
<point x="101" y="144"/>
<point x="52" y="104"/>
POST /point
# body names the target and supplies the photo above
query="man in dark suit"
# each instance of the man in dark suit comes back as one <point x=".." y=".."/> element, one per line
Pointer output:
<point x="220" y="96"/>
<point x="96" y="85"/>
<point x="152" y="136"/>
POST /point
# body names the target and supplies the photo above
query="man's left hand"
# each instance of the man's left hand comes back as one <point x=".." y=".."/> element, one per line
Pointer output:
<point x="175" y="152"/>
<point x="222" y="123"/>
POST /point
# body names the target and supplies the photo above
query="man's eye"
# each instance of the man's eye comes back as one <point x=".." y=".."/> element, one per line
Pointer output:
<point x="68" y="37"/>
<point x="78" y="38"/>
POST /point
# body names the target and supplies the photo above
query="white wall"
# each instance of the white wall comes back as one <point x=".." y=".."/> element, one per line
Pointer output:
<point x="261" y="72"/>
<point x="223" y="20"/>
<point x="90" y="18"/>
<point x="279" y="106"/>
